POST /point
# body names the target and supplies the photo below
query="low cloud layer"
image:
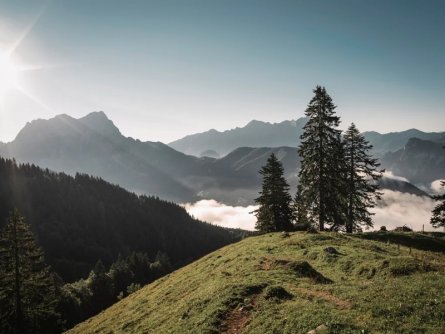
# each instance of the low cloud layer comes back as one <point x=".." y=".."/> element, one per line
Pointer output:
<point x="388" y="174"/>
<point x="223" y="215"/>
<point x="396" y="209"/>
<point x="436" y="187"/>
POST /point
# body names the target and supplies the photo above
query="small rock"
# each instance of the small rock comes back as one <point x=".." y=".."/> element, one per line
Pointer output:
<point x="322" y="329"/>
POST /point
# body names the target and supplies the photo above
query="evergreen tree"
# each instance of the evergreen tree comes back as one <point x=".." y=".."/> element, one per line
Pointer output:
<point x="101" y="287"/>
<point x="28" y="290"/>
<point x="121" y="275"/>
<point x="361" y="179"/>
<point x="322" y="161"/>
<point x="300" y="212"/>
<point x="438" y="217"/>
<point x="274" y="213"/>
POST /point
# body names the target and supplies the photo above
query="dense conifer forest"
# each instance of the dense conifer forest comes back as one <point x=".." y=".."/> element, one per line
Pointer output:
<point x="80" y="220"/>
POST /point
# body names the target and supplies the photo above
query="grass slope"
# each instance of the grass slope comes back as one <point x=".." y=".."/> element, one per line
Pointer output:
<point x="277" y="284"/>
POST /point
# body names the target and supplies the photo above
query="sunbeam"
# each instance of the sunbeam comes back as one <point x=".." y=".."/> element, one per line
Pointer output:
<point x="13" y="47"/>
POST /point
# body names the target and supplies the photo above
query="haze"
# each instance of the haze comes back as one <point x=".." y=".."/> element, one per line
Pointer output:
<point x="165" y="69"/>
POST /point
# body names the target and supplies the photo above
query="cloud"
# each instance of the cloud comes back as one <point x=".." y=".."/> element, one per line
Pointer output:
<point x="388" y="174"/>
<point x="436" y="187"/>
<point x="395" y="209"/>
<point x="223" y="215"/>
<point x="398" y="209"/>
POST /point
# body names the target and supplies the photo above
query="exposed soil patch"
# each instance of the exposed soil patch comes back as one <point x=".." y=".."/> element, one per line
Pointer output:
<point x="339" y="303"/>
<point x="265" y="264"/>
<point x="239" y="318"/>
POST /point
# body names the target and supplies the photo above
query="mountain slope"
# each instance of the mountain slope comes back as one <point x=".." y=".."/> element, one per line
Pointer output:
<point x="393" y="141"/>
<point x="286" y="133"/>
<point x="79" y="220"/>
<point x="271" y="284"/>
<point x="93" y="145"/>
<point x="254" y="134"/>
<point x="420" y="161"/>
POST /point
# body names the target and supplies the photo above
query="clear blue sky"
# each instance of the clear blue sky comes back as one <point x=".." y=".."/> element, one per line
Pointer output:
<point x="164" y="69"/>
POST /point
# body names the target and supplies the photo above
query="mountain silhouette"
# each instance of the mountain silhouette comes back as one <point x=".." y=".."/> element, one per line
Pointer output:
<point x="94" y="145"/>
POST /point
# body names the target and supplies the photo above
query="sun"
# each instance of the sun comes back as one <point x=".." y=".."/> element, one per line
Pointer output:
<point x="9" y="72"/>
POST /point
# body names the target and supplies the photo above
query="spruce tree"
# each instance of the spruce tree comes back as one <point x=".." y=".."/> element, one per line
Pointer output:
<point x="300" y="212"/>
<point x="321" y="165"/>
<point x="28" y="290"/>
<point x="101" y="287"/>
<point x="362" y="175"/>
<point x="438" y="217"/>
<point x="274" y="213"/>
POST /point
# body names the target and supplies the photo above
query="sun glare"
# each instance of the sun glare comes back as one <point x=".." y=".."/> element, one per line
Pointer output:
<point x="8" y="74"/>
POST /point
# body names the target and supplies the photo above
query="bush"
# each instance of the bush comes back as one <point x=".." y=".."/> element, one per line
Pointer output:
<point x="133" y="287"/>
<point x="403" y="228"/>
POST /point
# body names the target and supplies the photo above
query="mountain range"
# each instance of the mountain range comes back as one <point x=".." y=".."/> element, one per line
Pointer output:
<point x="286" y="133"/>
<point x="420" y="161"/>
<point x="254" y="134"/>
<point x="94" y="145"/>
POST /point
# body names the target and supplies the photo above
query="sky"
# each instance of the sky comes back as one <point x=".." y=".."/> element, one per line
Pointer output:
<point x="164" y="69"/>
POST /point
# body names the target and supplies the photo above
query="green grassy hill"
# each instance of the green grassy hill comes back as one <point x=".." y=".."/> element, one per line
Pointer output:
<point x="323" y="282"/>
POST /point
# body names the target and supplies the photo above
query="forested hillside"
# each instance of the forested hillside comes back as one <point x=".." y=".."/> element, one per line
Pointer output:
<point x="79" y="220"/>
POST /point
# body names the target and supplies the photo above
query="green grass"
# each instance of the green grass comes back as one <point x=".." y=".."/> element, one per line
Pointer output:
<point x="291" y="285"/>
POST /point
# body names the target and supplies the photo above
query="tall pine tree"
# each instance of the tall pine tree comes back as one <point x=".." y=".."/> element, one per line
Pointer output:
<point x="28" y="290"/>
<point x="362" y="175"/>
<point x="321" y="164"/>
<point x="274" y="213"/>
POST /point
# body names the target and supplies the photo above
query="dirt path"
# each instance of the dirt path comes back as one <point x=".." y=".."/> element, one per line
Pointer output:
<point x="238" y="318"/>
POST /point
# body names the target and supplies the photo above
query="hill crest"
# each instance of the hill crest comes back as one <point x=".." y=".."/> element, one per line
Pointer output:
<point x="273" y="283"/>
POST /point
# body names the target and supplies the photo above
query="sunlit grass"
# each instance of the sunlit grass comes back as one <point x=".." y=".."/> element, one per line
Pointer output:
<point x="377" y="287"/>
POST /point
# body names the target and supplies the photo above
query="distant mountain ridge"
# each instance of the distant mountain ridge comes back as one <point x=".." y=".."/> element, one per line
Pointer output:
<point x="393" y="141"/>
<point x="94" y="145"/>
<point x="286" y="133"/>
<point x="420" y="161"/>
<point x="254" y="134"/>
